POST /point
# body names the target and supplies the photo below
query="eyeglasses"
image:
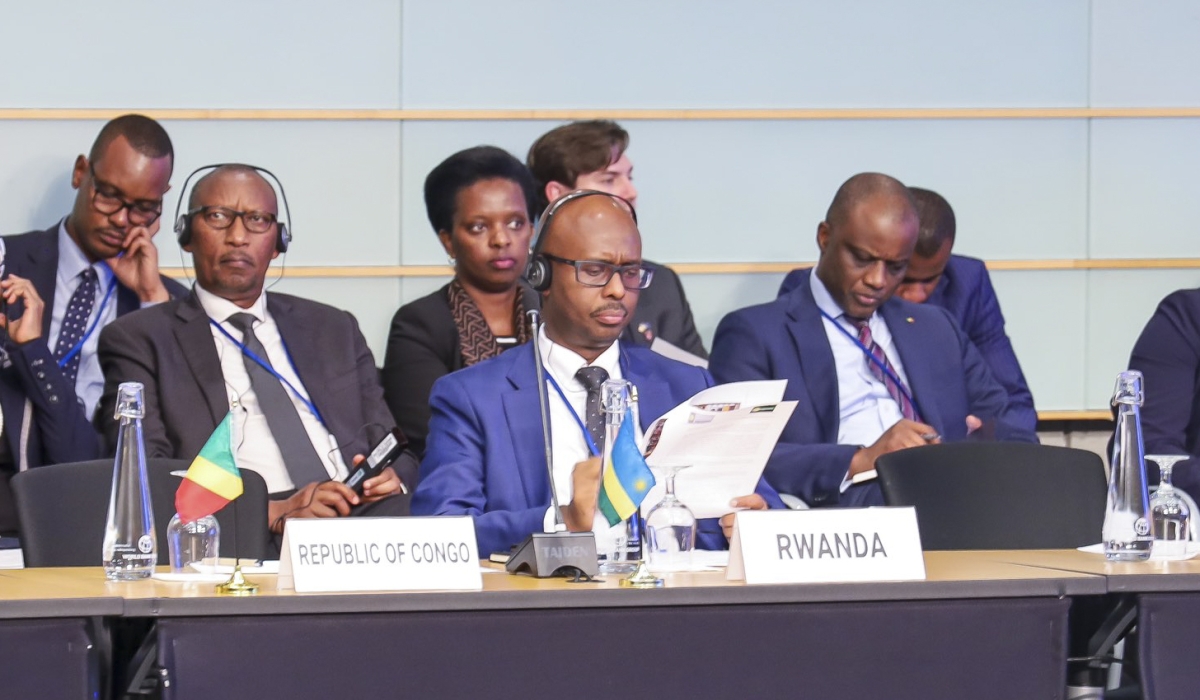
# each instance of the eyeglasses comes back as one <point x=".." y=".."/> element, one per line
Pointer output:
<point x="107" y="200"/>
<point x="222" y="218"/>
<point x="597" y="273"/>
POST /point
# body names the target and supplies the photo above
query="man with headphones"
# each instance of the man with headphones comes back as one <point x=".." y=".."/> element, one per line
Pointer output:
<point x="296" y="374"/>
<point x="485" y="455"/>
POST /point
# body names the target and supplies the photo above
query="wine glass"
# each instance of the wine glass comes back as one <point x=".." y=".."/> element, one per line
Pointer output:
<point x="1169" y="514"/>
<point x="670" y="530"/>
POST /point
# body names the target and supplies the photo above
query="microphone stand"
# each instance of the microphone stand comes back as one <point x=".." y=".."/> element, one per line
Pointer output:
<point x="557" y="552"/>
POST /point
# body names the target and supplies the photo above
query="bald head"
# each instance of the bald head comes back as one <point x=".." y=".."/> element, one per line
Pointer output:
<point x="862" y="187"/>
<point x="233" y="174"/>
<point x="593" y="248"/>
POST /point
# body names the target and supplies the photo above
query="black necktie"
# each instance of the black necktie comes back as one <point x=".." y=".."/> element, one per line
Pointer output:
<point x="593" y="378"/>
<point x="301" y="460"/>
<point x="79" y="310"/>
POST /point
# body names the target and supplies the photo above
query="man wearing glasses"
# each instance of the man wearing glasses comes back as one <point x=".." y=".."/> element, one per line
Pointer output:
<point x="485" y="455"/>
<point x="64" y="283"/>
<point x="296" y="374"/>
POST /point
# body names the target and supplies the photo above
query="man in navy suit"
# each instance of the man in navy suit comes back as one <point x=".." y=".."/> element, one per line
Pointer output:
<point x="485" y="455"/>
<point x="960" y="285"/>
<point x="1168" y="354"/>
<point x="871" y="374"/>
<point x="96" y="264"/>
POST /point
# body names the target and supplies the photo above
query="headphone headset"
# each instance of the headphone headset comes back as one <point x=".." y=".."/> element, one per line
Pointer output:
<point x="183" y="220"/>
<point x="537" y="272"/>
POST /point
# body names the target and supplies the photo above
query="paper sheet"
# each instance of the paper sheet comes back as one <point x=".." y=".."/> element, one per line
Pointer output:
<point x="724" y="436"/>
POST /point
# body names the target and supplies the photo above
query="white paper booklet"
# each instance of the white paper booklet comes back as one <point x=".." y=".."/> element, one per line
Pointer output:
<point x="724" y="435"/>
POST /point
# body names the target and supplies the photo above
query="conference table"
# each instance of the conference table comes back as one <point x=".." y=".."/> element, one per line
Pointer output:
<point x="978" y="626"/>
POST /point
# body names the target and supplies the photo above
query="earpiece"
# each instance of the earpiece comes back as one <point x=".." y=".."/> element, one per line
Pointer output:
<point x="183" y="220"/>
<point x="538" y="270"/>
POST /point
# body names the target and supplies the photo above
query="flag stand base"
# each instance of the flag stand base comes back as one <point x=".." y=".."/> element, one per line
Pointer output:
<point x="237" y="584"/>
<point x="641" y="578"/>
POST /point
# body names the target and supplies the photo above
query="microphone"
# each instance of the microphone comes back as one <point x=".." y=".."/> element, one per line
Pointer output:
<point x="544" y="408"/>
<point x="557" y="552"/>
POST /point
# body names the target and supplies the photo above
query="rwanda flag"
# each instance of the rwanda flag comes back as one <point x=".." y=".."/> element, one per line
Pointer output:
<point x="626" y="478"/>
<point x="212" y="480"/>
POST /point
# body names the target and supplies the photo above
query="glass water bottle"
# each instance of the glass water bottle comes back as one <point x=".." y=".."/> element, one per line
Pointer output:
<point x="130" y="551"/>
<point x="1127" y="530"/>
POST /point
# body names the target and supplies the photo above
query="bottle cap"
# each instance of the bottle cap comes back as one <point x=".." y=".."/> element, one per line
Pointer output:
<point x="129" y="401"/>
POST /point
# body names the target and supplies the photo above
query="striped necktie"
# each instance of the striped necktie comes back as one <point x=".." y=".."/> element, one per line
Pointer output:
<point x="890" y="378"/>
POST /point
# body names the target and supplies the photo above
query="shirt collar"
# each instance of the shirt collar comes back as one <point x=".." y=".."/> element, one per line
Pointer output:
<point x="823" y="298"/>
<point x="72" y="261"/>
<point x="563" y="363"/>
<point x="220" y="309"/>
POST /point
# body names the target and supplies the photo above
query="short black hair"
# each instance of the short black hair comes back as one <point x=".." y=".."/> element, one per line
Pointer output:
<point x="937" y="221"/>
<point x="145" y="135"/>
<point x="464" y="169"/>
<point x="858" y="189"/>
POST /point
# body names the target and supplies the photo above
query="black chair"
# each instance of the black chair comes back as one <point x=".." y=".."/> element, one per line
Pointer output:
<point x="62" y="510"/>
<point x="998" y="495"/>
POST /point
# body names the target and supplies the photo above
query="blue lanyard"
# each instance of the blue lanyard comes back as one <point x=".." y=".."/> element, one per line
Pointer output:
<point x="267" y="366"/>
<point x="112" y="286"/>
<point x="587" y="435"/>
<point x="871" y="357"/>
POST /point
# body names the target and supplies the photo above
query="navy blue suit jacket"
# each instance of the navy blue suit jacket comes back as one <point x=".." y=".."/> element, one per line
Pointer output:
<point x="966" y="291"/>
<point x="485" y="456"/>
<point x="785" y="339"/>
<point x="1168" y="354"/>
<point x="59" y="430"/>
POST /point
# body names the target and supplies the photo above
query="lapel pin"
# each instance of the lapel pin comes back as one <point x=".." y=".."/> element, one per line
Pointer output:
<point x="910" y="319"/>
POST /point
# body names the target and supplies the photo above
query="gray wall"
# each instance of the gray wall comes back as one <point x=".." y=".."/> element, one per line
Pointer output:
<point x="711" y="190"/>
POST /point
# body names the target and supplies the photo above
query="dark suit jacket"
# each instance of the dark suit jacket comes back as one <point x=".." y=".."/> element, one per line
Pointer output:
<point x="60" y="432"/>
<point x="1168" y="354"/>
<point x="785" y="339"/>
<point x="169" y="348"/>
<point x="966" y="291"/>
<point x="663" y="312"/>
<point x="485" y="456"/>
<point x="423" y="345"/>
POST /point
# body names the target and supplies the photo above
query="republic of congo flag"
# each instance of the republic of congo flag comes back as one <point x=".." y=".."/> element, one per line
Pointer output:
<point x="213" y="478"/>
<point x="626" y="478"/>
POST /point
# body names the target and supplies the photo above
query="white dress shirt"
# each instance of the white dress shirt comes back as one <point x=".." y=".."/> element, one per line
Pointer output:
<point x="254" y="445"/>
<point x="89" y="381"/>
<point x="567" y="442"/>
<point x="865" y="408"/>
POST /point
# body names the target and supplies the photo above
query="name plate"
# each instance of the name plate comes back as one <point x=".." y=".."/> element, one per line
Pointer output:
<point x="826" y="546"/>
<point x="379" y="554"/>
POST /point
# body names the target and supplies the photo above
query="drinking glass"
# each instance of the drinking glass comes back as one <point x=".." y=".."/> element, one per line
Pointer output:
<point x="670" y="530"/>
<point x="1170" y="515"/>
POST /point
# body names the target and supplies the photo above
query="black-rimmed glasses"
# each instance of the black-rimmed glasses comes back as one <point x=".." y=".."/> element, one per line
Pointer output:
<point x="597" y="273"/>
<point x="222" y="218"/>
<point x="107" y="200"/>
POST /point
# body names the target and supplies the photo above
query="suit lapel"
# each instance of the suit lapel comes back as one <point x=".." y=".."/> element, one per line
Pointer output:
<point x="906" y="336"/>
<point x="296" y="332"/>
<point x="654" y="395"/>
<point x="194" y="335"/>
<point x="816" y="358"/>
<point x="525" y="425"/>
<point x="41" y="267"/>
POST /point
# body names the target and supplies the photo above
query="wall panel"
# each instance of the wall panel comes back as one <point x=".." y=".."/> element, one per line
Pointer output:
<point x="1145" y="54"/>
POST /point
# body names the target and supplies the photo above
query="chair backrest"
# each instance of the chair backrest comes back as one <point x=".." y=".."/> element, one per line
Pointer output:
<point x="62" y="510"/>
<point x="999" y="495"/>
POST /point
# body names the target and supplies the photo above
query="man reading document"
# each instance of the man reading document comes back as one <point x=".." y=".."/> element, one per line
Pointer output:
<point x="485" y="454"/>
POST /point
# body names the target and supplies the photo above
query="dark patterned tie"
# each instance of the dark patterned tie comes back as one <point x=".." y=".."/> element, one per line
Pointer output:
<point x="74" y="324"/>
<point x="299" y="457"/>
<point x="891" y="377"/>
<point x="593" y="378"/>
